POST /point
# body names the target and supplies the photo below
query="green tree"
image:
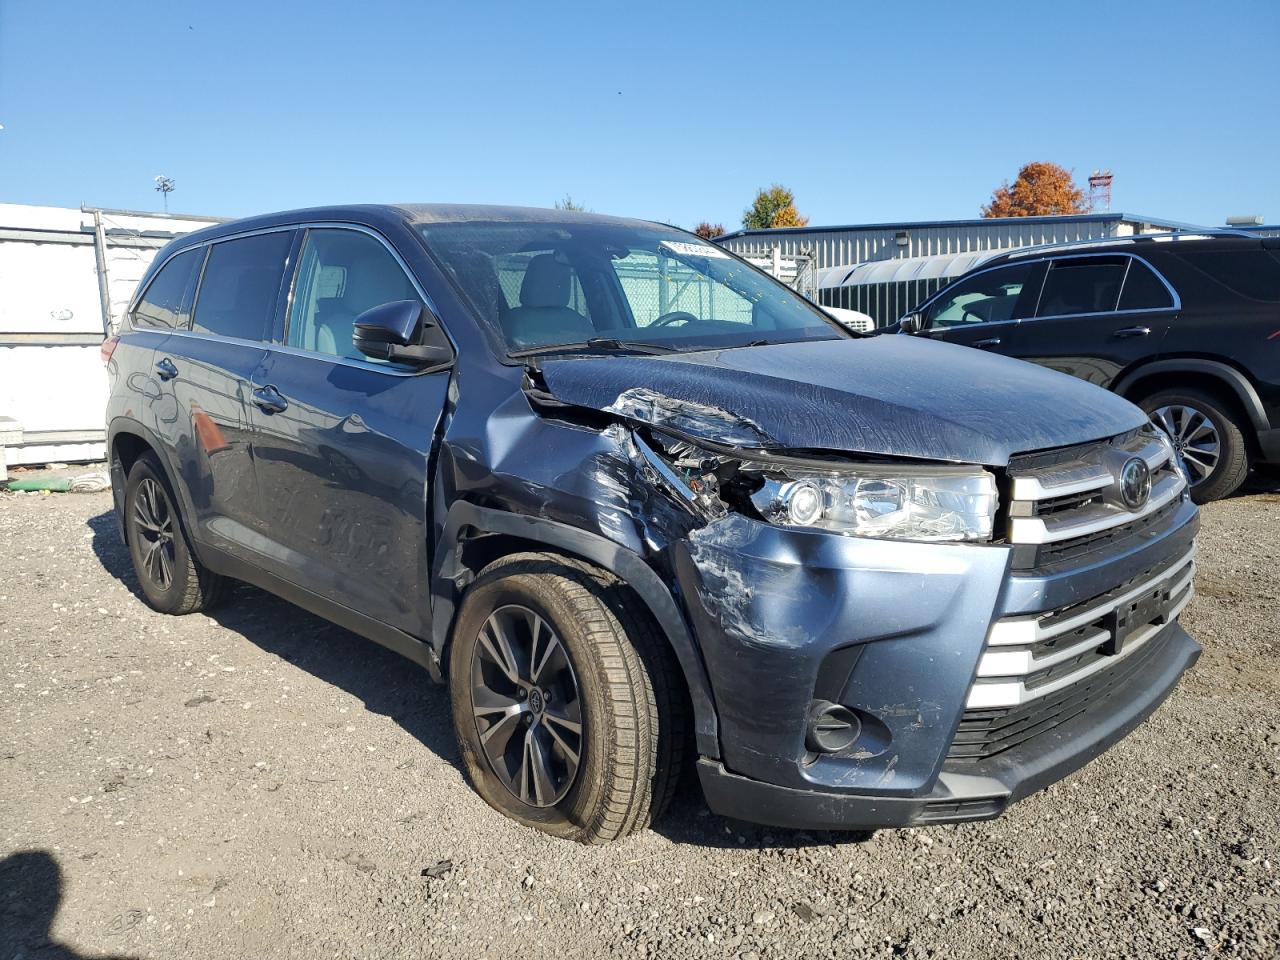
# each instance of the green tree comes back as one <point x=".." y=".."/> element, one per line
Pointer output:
<point x="774" y="207"/>
<point x="1040" y="190"/>
<point x="568" y="203"/>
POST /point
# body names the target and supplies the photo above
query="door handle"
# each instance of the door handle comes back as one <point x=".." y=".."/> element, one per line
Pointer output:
<point x="1132" y="332"/>
<point x="270" y="400"/>
<point x="166" y="369"/>
<point x="989" y="342"/>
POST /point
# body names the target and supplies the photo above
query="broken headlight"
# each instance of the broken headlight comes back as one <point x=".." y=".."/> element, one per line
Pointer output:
<point x="898" y="503"/>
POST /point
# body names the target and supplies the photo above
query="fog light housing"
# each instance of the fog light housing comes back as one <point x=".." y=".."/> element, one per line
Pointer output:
<point x="830" y="728"/>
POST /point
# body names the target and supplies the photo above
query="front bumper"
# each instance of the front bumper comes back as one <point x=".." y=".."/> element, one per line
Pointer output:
<point x="897" y="631"/>
<point x="980" y="792"/>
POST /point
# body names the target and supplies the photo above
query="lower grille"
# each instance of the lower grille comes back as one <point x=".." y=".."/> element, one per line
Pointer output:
<point x="985" y="733"/>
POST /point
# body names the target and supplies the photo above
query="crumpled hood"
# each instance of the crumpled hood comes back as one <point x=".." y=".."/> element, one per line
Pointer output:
<point x="893" y="395"/>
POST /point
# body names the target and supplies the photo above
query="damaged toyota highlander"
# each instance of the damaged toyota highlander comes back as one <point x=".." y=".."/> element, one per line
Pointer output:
<point x="636" y="504"/>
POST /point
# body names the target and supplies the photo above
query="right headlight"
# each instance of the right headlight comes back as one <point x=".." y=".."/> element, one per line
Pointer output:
<point x="875" y="500"/>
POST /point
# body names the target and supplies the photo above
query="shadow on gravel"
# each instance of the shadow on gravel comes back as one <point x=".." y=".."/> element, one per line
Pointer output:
<point x="386" y="682"/>
<point x="390" y="685"/>
<point x="31" y="882"/>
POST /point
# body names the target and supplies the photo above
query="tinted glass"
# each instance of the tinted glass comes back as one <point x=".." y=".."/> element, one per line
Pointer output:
<point x="341" y="274"/>
<point x="982" y="298"/>
<point x="1083" y="285"/>
<point x="1249" y="273"/>
<point x="551" y="283"/>
<point x="1143" y="290"/>
<point x="241" y="282"/>
<point x="167" y="299"/>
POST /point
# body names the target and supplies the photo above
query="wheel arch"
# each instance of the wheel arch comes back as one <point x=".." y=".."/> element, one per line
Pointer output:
<point x="126" y="441"/>
<point x="1219" y="377"/>
<point x="474" y="536"/>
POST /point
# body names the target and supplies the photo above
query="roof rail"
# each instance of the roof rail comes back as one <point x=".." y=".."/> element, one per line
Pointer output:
<point x="1162" y="237"/>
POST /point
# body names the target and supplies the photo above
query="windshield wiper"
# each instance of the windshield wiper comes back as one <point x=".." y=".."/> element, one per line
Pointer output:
<point x="596" y="343"/>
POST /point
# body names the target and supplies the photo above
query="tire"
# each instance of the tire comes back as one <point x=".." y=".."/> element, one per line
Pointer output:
<point x="172" y="580"/>
<point x="625" y="694"/>
<point x="1199" y="422"/>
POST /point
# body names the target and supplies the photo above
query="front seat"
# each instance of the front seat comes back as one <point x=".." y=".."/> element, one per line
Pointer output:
<point x="370" y="282"/>
<point x="544" y="315"/>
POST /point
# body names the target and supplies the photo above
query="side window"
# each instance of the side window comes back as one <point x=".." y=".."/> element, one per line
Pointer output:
<point x="241" y="283"/>
<point x="341" y="274"/>
<point x="1081" y="285"/>
<point x="656" y="285"/>
<point x="1247" y="273"/>
<point x="167" y="301"/>
<point x="1143" y="290"/>
<point x="983" y="298"/>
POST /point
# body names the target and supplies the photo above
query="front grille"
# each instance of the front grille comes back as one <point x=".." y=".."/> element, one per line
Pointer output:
<point x="1028" y="658"/>
<point x="986" y="733"/>
<point x="1066" y="505"/>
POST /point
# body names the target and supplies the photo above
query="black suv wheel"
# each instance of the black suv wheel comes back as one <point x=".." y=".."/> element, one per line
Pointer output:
<point x="171" y="578"/>
<point x="1206" y="439"/>
<point x="568" y="721"/>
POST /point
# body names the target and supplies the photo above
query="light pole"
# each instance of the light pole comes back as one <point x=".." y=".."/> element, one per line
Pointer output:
<point x="165" y="185"/>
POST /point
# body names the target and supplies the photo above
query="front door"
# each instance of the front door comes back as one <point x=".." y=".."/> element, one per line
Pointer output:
<point x="985" y="309"/>
<point x="342" y="442"/>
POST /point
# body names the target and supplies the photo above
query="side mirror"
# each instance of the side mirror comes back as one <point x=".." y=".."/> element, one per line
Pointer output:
<point x="404" y="331"/>
<point x="910" y="323"/>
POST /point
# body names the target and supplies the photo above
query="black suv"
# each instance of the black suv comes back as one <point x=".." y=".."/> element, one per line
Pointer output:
<point x="630" y="497"/>
<point x="1185" y="325"/>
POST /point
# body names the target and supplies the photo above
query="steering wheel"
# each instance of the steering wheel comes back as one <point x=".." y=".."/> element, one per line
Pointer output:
<point x="674" y="316"/>
<point x="977" y="317"/>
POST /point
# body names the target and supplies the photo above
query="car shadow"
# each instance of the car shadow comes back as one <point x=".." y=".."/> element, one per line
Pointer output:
<point x="385" y="682"/>
<point x="31" y="892"/>
<point x="392" y="686"/>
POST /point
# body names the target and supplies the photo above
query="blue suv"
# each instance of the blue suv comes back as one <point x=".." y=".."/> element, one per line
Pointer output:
<point x="637" y="503"/>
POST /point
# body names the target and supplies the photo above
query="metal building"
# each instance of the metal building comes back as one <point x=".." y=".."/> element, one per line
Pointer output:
<point x="885" y="269"/>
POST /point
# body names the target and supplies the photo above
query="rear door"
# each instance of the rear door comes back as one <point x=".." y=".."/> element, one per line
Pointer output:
<point x="342" y="442"/>
<point x="1096" y="316"/>
<point x="985" y="309"/>
<point x="204" y="374"/>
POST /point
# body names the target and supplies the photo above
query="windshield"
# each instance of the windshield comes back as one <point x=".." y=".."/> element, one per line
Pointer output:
<point x="605" y="287"/>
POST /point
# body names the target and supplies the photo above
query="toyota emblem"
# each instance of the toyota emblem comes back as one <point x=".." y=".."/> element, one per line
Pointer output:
<point x="1135" y="483"/>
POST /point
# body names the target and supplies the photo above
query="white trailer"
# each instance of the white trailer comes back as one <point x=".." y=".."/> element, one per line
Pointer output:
<point x="66" y="278"/>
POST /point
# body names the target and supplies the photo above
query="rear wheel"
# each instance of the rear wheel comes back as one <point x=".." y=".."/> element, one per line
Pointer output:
<point x="171" y="578"/>
<point x="1206" y="438"/>
<point x="565" y="717"/>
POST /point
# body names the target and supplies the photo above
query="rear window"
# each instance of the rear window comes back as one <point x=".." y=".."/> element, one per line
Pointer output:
<point x="1143" y="290"/>
<point x="168" y="298"/>
<point x="1254" y="274"/>
<point x="241" y="284"/>
<point x="1081" y="285"/>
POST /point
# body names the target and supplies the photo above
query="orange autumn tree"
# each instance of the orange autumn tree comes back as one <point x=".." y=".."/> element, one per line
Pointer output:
<point x="774" y="207"/>
<point x="709" y="231"/>
<point x="1040" y="190"/>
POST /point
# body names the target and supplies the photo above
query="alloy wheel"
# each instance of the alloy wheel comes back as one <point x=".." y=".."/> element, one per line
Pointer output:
<point x="153" y="526"/>
<point x="1195" y="439"/>
<point x="527" y="710"/>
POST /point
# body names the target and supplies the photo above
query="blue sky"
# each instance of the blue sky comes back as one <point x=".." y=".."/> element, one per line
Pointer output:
<point x="673" y="111"/>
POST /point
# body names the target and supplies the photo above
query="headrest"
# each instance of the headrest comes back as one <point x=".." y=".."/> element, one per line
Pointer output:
<point x="546" y="282"/>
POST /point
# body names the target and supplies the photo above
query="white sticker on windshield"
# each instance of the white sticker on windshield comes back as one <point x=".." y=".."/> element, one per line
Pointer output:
<point x="683" y="249"/>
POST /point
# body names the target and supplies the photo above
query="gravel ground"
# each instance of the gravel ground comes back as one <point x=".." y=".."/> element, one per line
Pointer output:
<point x="258" y="783"/>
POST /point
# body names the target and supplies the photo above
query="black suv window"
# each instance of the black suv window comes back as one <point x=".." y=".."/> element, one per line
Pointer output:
<point x="168" y="297"/>
<point x="1081" y="285"/>
<point x="241" y="282"/>
<point x="341" y="274"/>
<point x="1248" y="273"/>
<point x="982" y="298"/>
<point x="1143" y="290"/>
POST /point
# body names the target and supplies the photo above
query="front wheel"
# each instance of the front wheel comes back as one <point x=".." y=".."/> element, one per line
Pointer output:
<point x="1206" y="439"/>
<point x="566" y="719"/>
